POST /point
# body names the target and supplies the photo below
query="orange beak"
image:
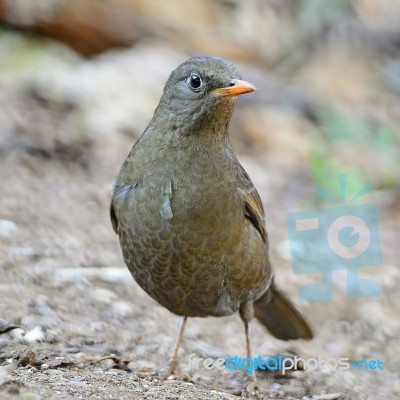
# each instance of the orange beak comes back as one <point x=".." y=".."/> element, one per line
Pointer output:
<point x="236" y="88"/>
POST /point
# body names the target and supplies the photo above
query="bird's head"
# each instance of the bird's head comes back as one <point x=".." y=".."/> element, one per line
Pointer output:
<point x="199" y="96"/>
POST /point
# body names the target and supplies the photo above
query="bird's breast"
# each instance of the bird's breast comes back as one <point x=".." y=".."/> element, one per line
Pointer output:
<point x="182" y="229"/>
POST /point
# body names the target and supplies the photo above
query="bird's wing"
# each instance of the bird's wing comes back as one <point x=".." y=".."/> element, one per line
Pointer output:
<point x="120" y="193"/>
<point x="114" y="219"/>
<point x="253" y="208"/>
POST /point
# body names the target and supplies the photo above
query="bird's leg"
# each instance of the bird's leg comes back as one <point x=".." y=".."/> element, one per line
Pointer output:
<point x="252" y="376"/>
<point x="173" y="361"/>
<point x="246" y="313"/>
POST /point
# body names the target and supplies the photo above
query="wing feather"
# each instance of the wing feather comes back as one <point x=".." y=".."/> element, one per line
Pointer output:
<point x="253" y="207"/>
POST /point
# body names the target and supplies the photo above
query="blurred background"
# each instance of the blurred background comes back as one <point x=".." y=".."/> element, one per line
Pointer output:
<point x="79" y="81"/>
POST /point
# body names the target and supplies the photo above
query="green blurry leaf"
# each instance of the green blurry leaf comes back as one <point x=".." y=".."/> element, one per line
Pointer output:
<point x="386" y="139"/>
<point x="316" y="14"/>
<point x="326" y="172"/>
<point x="338" y="125"/>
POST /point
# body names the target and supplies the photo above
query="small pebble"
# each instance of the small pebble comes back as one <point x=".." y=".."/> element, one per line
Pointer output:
<point x="70" y="350"/>
<point x="101" y="295"/>
<point x="27" y="357"/>
<point x="34" y="335"/>
<point x="113" y="372"/>
<point x="331" y="396"/>
<point x="108" y="274"/>
<point x="20" y="253"/>
<point x="77" y="382"/>
<point x="7" y="227"/>
<point x="107" y="363"/>
<point x="122" y="309"/>
<point x="4" y="375"/>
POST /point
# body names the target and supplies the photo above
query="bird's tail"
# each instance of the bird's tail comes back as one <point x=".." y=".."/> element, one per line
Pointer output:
<point x="280" y="316"/>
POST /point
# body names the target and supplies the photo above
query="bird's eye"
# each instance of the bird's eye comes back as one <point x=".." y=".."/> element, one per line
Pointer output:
<point x="194" y="81"/>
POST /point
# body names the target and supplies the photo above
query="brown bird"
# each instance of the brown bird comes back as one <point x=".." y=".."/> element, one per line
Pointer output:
<point x="189" y="220"/>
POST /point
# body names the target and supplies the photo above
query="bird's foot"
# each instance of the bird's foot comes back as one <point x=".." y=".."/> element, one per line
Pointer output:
<point x="176" y="375"/>
<point x="251" y="386"/>
<point x="172" y="371"/>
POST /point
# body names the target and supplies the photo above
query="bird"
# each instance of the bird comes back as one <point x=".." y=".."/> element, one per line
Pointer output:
<point x="190" y="222"/>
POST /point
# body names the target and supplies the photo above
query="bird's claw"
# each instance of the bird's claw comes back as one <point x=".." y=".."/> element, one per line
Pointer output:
<point x="172" y="371"/>
<point x="251" y="386"/>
